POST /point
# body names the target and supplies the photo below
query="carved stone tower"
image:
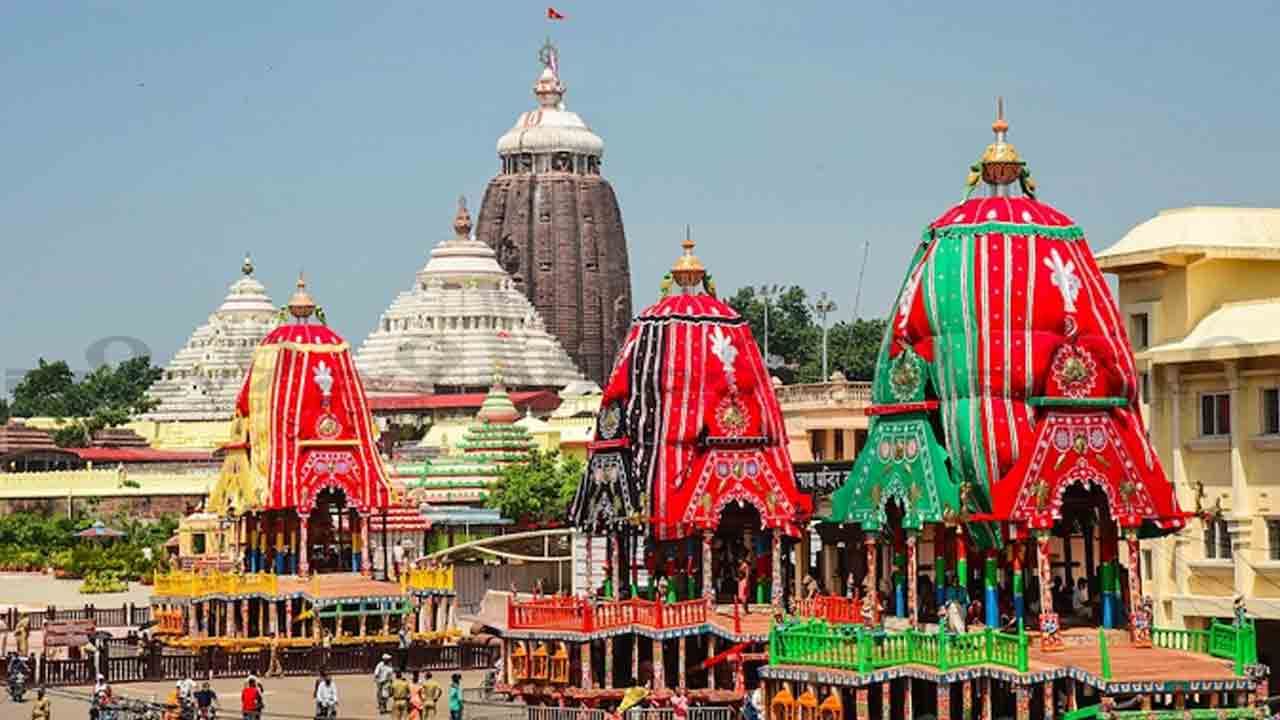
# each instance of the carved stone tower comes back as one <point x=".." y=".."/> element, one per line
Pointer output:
<point x="555" y="224"/>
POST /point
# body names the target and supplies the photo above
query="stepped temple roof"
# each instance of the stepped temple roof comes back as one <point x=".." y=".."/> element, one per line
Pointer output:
<point x="202" y="379"/>
<point x="492" y="442"/>
<point x="462" y="318"/>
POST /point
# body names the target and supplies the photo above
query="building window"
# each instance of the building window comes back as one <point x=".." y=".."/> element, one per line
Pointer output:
<point x="838" y="452"/>
<point x="197" y="544"/>
<point x="1271" y="411"/>
<point x="816" y="446"/>
<point x="1144" y="388"/>
<point x="1217" y="540"/>
<point x="1140" y="330"/>
<point x="1273" y="540"/>
<point x="1147" y="561"/>
<point x="1215" y="414"/>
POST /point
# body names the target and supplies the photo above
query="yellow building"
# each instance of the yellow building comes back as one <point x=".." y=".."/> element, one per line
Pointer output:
<point x="1200" y="289"/>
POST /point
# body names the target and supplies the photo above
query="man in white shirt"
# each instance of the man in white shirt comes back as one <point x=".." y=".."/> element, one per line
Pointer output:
<point x="326" y="697"/>
<point x="382" y="674"/>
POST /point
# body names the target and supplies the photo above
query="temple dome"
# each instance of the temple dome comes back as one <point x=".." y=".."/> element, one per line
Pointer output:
<point x="550" y="128"/>
<point x="462" y="318"/>
<point x="202" y="379"/>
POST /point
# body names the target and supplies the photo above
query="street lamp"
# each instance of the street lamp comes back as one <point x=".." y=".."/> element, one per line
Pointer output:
<point x="823" y="307"/>
<point x="766" y="294"/>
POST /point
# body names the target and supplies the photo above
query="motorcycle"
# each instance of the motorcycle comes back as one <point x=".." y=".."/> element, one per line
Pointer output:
<point x="17" y="686"/>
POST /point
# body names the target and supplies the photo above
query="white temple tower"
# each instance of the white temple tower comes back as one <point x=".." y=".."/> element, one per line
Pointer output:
<point x="463" y="319"/>
<point x="204" y="376"/>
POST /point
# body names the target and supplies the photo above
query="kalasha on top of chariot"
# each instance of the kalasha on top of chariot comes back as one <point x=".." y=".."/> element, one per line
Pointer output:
<point x="689" y="422"/>
<point x="302" y="424"/>
<point x="1005" y="377"/>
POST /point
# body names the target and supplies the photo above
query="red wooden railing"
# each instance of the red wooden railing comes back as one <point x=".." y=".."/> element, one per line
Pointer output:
<point x="554" y="613"/>
<point x="579" y="615"/>
<point x="832" y="608"/>
<point x="681" y="614"/>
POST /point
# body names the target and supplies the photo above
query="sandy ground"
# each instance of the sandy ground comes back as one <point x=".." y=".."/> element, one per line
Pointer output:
<point x="285" y="697"/>
<point x="31" y="591"/>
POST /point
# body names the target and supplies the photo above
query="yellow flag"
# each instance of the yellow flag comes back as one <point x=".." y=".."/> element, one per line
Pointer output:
<point x="631" y="698"/>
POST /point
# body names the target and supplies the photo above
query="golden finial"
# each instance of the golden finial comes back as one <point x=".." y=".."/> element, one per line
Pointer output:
<point x="246" y="267"/>
<point x="688" y="270"/>
<point x="1000" y="164"/>
<point x="301" y="306"/>
<point x="462" y="220"/>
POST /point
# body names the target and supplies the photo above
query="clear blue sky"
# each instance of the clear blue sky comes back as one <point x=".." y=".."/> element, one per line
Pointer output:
<point x="145" y="146"/>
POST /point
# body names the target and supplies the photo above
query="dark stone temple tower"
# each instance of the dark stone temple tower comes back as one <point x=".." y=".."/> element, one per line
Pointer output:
<point x="555" y="224"/>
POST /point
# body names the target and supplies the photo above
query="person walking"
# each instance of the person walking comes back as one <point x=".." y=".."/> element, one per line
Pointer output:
<point x="455" y="697"/>
<point x="251" y="702"/>
<point x="206" y="702"/>
<point x="275" y="668"/>
<point x="400" y="692"/>
<point x="382" y="676"/>
<point x="326" y="698"/>
<point x="403" y="641"/>
<point x="431" y="692"/>
<point x="41" y="710"/>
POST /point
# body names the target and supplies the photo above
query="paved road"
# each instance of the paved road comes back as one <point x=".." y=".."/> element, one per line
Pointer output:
<point x="33" y="591"/>
<point x="285" y="697"/>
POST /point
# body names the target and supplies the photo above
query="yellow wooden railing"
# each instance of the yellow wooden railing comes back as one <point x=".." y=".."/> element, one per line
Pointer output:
<point x="179" y="583"/>
<point x="437" y="579"/>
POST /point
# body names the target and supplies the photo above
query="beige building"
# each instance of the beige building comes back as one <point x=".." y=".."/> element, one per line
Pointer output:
<point x="826" y="422"/>
<point x="826" y="426"/>
<point x="1200" y="288"/>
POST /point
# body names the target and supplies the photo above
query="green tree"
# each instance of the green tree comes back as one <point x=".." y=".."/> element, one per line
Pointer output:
<point x="796" y="337"/>
<point x="539" y="490"/>
<point x="49" y="390"/>
<point x="4" y="410"/>
<point x="852" y="348"/>
<point x="106" y="397"/>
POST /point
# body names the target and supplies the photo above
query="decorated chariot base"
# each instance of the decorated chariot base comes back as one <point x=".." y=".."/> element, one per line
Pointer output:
<point x="249" y="610"/>
<point x="1004" y="427"/>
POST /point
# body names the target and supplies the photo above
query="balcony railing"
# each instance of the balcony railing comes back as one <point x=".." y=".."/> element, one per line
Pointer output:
<point x="1237" y="643"/>
<point x="428" y="579"/>
<point x="179" y="583"/>
<point x="579" y="615"/>
<point x="827" y="393"/>
<point x="814" y="642"/>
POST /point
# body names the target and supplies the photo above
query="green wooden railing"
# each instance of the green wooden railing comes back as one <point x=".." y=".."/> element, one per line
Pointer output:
<point x="1095" y="711"/>
<point x="844" y="647"/>
<point x="1196" y="714"/>
<point x="1239" y="644"/>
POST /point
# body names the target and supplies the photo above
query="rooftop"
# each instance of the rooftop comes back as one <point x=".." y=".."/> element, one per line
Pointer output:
<point x="1178" y="236"/>
<point x="1233" y="330"/>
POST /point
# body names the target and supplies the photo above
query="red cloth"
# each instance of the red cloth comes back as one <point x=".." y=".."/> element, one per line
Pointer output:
<point x="315" y="441"/>
<point x="250" y="697"/>
<point x="703" y="422"/>
<point x="553" y="14"/>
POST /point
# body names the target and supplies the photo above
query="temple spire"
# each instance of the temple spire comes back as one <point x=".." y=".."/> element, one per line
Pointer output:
<point x="462" y="220"/>
<point x="246" y="267"/>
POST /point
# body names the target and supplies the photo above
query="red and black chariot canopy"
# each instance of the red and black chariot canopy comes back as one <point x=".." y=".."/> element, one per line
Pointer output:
<point x="688" y="423"/>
